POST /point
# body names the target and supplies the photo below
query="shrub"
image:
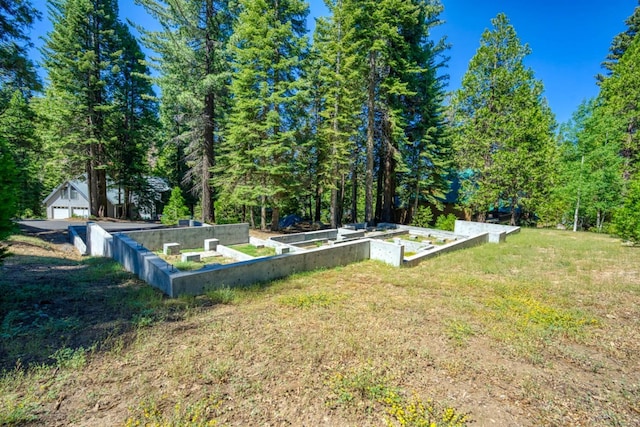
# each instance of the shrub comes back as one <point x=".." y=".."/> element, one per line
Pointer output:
<point x="422" y="217"/>
<point x="176" y="209"/>
<point x="626" y="221"/>
<point x="446" y="222"/>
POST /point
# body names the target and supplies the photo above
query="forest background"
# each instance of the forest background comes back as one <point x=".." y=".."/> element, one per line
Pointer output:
<point x="251" y="117"/>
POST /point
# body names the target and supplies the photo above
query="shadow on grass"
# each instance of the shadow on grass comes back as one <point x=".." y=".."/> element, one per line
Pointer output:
<point x="50" y="305"/>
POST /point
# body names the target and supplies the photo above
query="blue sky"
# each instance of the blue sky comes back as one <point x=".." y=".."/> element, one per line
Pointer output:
<point x="569" y="39"/>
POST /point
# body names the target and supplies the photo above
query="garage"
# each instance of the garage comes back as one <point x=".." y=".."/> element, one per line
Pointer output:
<point x="60" y="213"/>
<point x="81" y="212"/>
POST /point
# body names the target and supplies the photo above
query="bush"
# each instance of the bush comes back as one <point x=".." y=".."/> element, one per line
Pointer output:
<point x="446" y="222"/>
<point x="422" y="217"/>
<point x="176" y="209"/>
<point x="626" y="220"/>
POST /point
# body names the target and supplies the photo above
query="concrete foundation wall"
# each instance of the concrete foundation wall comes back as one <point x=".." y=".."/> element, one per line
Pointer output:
<point x="305" y="237"/>
<point x="143" y="263"/>
<point x="386" y="252"/>
<point x="192" y="237"/>
<point x="266" y="269"/>
<point x="233" y="254"/>
<point x="76" y="240"/>
<point x="433" y="232"/>
<point x="450" y="247"/>
<point x="99" y="242"/>
<point x="470" y="228"/>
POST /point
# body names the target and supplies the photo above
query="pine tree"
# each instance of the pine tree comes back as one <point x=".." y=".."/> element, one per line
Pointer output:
<point x="503" y="127"/>
<point x="193" y="65"/>
<point x="621" y="43"/>
<point x="7" y="196"/>
<point x="133" y="121"/>
<point x="18" y="128"/>
<point x="337" y="102"/>
<point x="267" y="49"/>
<point x="17" y="71"/>
<point x="175" y="209"/>
<point x="403" y="93"/>
<point x="79" y="56"/>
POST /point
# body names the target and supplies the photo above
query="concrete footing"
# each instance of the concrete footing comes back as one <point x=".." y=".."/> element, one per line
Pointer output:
<point x="134" y="251"/>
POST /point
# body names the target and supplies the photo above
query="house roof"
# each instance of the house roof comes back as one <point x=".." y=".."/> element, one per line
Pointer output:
<point x="113" y="193"/>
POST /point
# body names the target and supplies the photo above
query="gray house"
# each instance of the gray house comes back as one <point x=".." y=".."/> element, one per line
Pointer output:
<point x="71" y="199"/>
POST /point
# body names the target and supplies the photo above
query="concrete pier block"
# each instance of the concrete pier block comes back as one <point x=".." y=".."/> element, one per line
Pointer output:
<point x="211" y="244"/>
<point x="193" y="257"/>
<point x="282" y="250"/>
<point x="171" y="248"/>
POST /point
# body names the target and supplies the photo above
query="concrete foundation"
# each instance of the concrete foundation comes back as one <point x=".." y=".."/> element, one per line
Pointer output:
<point x="134" y="250"/>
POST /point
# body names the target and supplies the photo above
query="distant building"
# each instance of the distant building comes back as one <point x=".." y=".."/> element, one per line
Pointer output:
<point x="71" y="199"/>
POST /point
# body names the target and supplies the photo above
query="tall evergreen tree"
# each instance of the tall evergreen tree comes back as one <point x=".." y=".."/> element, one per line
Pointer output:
<point x="133" y="121"/>
<point x="621" y="42"/>
<point x="267" y="49"/>
<point x="17" y="71"/>
<point x="399" y="65"/>
<point x="503" y="127"/>
<point x="337" y="102"/>
<point x="193" y="79"/>
<point x="18" y="129"/>
<point x="7" y="196"/>
<point x="79" y="55"/>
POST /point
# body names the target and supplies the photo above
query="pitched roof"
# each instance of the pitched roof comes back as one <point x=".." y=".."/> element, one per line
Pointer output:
<point x="113" y="193"/>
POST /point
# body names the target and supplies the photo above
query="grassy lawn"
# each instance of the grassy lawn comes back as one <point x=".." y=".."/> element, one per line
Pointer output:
<point x="542" y="330"/>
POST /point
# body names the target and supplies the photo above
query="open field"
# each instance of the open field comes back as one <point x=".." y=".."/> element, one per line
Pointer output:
<point x="542" y="330"/>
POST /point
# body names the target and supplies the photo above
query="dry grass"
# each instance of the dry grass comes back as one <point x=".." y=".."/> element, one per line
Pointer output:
<point x="543" y="330"/>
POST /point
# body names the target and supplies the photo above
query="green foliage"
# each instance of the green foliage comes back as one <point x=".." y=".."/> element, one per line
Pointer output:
<point x="621" y="103"/>
<point x="626" y="221"/>
<point x="17" y="125"/>
<point x="589" y="184"/>
<point x="193" y="65"/>
<point x="68" y="358"/>
<point x="224" y="295"/>
<point x="415" y="412"/>
<point x="175" y="208"/>
<point x="17" y="71"/>
<point x="267" y="49"/>
<point x="446" y="222"/>
<point x="422" y="217"/>
<point x="502" y="127"/>
<point x="8" y="195"/>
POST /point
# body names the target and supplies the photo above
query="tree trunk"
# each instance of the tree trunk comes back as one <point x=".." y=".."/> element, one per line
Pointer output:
<point x="354" y="190"/>
<point x="576" y="213"/>
<point x="208" y="155"/>
<point x="333" y="209"/>
<point x="263" y="213"/>
<point x="388" y="189"/>
<point x="368" y="202"/>
<point x="208" y="159"/>
<point x="275" y="219"/>
<point x="318" y="203"/>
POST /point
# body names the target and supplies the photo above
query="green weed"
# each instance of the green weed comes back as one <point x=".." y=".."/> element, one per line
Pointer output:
<point x="224" y="295"/>
<point x="415" y="412"/>
<point x="253" y="251"/>
<point x="68" y="358"/>
<point x="201" y="413"/>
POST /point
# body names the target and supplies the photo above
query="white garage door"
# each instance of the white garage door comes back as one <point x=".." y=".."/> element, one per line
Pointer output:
<point x="81" y="212"/>
<point x="60" y="213"/>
